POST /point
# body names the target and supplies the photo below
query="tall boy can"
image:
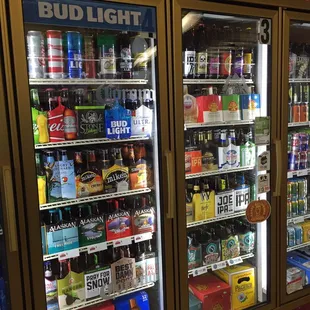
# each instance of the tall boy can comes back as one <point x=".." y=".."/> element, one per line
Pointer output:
<point x="75" y="66"/>
<point x="36" y="54"/>
<point x="55" y="54"/>
<point x="298" y="234"/>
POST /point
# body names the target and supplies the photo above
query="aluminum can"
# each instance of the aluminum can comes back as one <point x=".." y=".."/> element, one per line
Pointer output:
<point x="302" y="188"/>
<point x="301" y="207"/>
<point x="295" y="142"/>
<point x="294" y="190"/>
<point x="291" y="236"/>
<point x="75" y="65"/>
<point x="303" y="160"/>
<point x="294" y="202"/>
<point x="305" y="92"/>
<point x="293" y="161"/>
<point x="298" y="234"/>
<point x="303" y="142"/>
<point x="289" y="190"/>
<point x="36" y="55"/>
<point x="289" y="208"/>
<point x="89" y="56"/>
<point x="55" y="54"/>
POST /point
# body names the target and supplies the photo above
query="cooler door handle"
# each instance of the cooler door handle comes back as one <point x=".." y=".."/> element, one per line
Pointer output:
<point x="277" y="190"/>
<point x="171" y="184"/>
<point x="10" y="207"/>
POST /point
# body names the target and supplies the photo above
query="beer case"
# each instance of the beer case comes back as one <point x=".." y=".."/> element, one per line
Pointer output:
<point x="56" y="124"/>
<point x="143" y="220"/>
<point x="193" y="162"/>
<point x="229" y="157"/>
<point x="138" y="175"/>
<point x="142" y="122"/>
<point x="306" y="231"/>
<point x="116" y="179"/>
<point x="95" y="281"/>
<point x="190" y="109"/>
<point x="118" y="225"/>
<point x="88" y="183"/>
<point x="211" y="291"/>
<point x="300" y="261"/>
<point x="242" y="197"/>
<point x="67" y="179"/>
<point x="92" y="230"/>
<point x="51" y="294"/>
<point x="247" y="154"/>
<point x="141" y="278"/>
<point x="53" y="181"/>
<point x="54" y="239"/>
<point x="294" y="279"/>
<point x="70" y="235"/>
<point x="250" y="106"/>
<point x="118" y="122"/>
<point x="230" y="247"/>
<point x="139" y="300"/>
<point x="210" y="109"/>
<point x="231" y="108"/>
<point x="242" y="280"/>
<point x="225" y="202"/>
<point x="151" y="267"/>
<point x="194" y="302"/>
<point x="247" y="242"/>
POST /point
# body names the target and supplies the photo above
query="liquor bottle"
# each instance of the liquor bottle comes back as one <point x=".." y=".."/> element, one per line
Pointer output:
<point x="189" y="54"/>
<point x="202" y="54"/>
<point x="139" y="52"/>
<point x="125" y="64"/>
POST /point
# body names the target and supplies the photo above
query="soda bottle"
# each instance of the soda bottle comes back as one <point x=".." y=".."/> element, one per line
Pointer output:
<point x="69" y="115"/>
<point x="189" y="54"/>
<point x="139" y="48"/>
<point x="125" y="64"/>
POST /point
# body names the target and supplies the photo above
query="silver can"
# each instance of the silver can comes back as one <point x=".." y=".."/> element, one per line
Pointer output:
<point x="36" y="54"/>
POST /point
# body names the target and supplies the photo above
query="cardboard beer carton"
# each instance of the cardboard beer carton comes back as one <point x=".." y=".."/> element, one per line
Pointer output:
<point x="210" y="109"/>
<point x="193" y="162"/>
<point x="229" y="156"/>
<point x="306" y="231"/>
<point x="231" y="108"/>
<point x="107" y="305"/>
<point x="143" y="220"/>
<point x="70" y="235"/>
<point x="250" y="106"/>
<point x="115" y="179"/>
<point x="242" y="280"/>
<point x="294" y="279"/>
<point x="67" y="179"/>
<point x="300" y="261"/>
<point x="53" y="181"/>
<point x="225" y="202"/>
<point x="211" y="291"/>
<point x="118" y="225"/>
<point x="142" y="122"/>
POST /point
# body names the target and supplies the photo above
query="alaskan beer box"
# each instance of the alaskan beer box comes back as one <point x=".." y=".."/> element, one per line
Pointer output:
<point x="210" y="109"/>
<point x="231" y="108"/>
<point x="250" y="106"/>
<point x="300" y="261"/>
<point x="118" y="225"/>
<point x="90" y="122"/>
<point x="193" y="163"/>
<point x="143" y="220"/>
<point x="242" y="280"/>
<point x="211" y="291"/>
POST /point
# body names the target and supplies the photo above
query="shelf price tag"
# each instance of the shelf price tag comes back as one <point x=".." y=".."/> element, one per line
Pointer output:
<point x="235" y="261"/>
<point x="299" y="219"/>
<point x="219" y="265"/>
<point x="121" y="242"/>
<point x="302" y="172"/>
<point x="199" y="271"/>
<point x="68" y="254"/>
<point x="290" y="174"/>
<point x="143" y="237"/>
<point x="97" y="247"/>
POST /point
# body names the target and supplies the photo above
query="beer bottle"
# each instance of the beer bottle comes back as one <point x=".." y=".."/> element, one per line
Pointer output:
<point x="106" y="48"/>
<point x="119" y="159"/>
<point x="67" y="214"/>
<point x="63" y="269"/>
<point x="139" y="51"/>
<point x="214" y="63"/>
<point x="53" y="217"/>
<point x="70" y="126"/>
<point x="91" y="162"/>
<point x="78" y="163"/>
<point x="125" y="64"/>
<point x="104" y="161"/>
<point x="79" y="97"/>
<point x="202" y="53"/>
<point x="238" y="62"/>
<point x="232" y="136"/>
<point x="48" y="273"/>
<point x="50" y="98"/>
<point x="223" y="139"/>
<point x="131" y="156"/>
<point x="133" y="304"/>
<point x="248" y="59"/>
<point x="189" y="54"/>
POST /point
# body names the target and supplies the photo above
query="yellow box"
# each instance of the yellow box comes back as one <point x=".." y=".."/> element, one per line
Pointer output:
<point x="306" y="231"/>
<point x="241" y="278"/>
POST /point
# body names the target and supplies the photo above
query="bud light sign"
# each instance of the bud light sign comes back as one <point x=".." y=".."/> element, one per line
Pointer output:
<point x="90" y="14"/>
<point x="118" y="122"/>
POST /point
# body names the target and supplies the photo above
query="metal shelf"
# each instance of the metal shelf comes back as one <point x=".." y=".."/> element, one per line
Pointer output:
<point x="299" y="80"/>
<point x="230" y="262"/>
<point x="298" y="219"/>
<point x="217" y="124"/>
<point x="299" y="124"/>
<point x="215" y="81"/>
<point x="77" y="201"/>
<point x="103" y="245"/>
<point x="99" y="300"/>
<point x="216" y="219"/>
<point x="217" y="172"/>
<point x="298" y="173"/>
<point x="87" y="142"/>
<point x="299" y="246"/>
<point x="86" y="81"/>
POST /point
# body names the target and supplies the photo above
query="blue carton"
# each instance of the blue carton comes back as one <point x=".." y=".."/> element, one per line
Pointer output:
<point x="138" y="300"/>
<point x="250" y="106"/>
<point x="301" y="261"/>
<point x="194" y="302"/>
<point x="67" y="179"/>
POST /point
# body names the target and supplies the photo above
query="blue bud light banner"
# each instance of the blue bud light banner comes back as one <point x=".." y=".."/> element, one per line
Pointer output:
<point x="90" y="14"/>
<point x="118" y="122"/>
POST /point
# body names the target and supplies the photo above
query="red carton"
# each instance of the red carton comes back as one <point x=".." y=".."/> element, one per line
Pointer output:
<point x="193" y="162"/>
<point x="210" y="109"/>
<point x="211" y="291"/>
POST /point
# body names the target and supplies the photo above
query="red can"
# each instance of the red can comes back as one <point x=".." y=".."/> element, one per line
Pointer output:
<point x="55" y="54"/>
<point x="225" y="68"/>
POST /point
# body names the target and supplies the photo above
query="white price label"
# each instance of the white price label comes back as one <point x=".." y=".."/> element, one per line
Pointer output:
<point x="143" y="237"/>
<point x="97" y="247"/>
<point x="219" y="265"/>
<point x="68" y="254"/>
<point x="199" y="271"/>
<point x="299" y="219"/>
<point x="302" y="172"/>
<point x="235" y="261"/>
<point x="263" y="183"/>
<point x="290" y="174"/>
<point x="121" y="242"/>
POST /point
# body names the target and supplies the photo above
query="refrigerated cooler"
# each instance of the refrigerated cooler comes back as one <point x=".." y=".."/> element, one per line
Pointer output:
<point x="93" y="161"/>
<point x="225" y="57"/>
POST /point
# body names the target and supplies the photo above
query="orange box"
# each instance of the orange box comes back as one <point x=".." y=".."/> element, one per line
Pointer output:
<point x="192" y="161"/>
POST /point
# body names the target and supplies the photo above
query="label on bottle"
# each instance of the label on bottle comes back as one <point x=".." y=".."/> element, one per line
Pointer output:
<point x="108" y="62"/>
<point x="238" y="65"/>
<point x="189" y="63"/>
<point x="126" y="60"/>
<point x="70" y="124"/>
<point x="214" y="65"/>
<point x="302" y="67"/>
<point x="210" y="253"/>
<point x="96" y="281"/>
<point x="202" y="63"/>
<point x="118" y="225"/>
<point x="115" y="179"/>
<point x="51" y="295"/>
<point x="230" y="248"/>
<point x="247" y="242"/>
<point x="225" y="203"/>
<point x="189" y="212"/>
<point x="242" y="198"/>
<point x="247" y="63"/>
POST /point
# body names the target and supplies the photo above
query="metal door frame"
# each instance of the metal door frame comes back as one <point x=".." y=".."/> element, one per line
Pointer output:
<point x="27" y="151"/>
<point x="212" y="7"/>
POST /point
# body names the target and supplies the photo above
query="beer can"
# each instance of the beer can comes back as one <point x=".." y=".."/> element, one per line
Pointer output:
<point x="293" y="161"/>
<point x="303" y="142"/>
<point x="295" y="142"/>
<point x="289" y="190"/>
<point x="294" y="188"/>
<point x="89" y="52"/>
<point x="290" y="93"/>
<point x="55" y="54"/>
<point x="303" y="157"/>
<point x="305" y="92"/>
<point x="36" y="55"/>
<point x="294" y="207"/>
<point x="298" y="234"/>
<point x="301" y="207"/>
<point x="289" y="143"/>
<point x="226" y="62"/>
<point x="302" y="188"/>
<point x="74" y="41"/>
<point x="289" y="208"/>
<point x="290" y="236"/>
<point x="304" y="112"/>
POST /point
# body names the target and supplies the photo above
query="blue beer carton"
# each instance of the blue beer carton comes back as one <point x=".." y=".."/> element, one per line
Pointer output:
<point x="67" y="179"/>
<point x="138" y="300"/>
<point x="194" y="302"/>
<point x="300" y="261"/>
<point x="118" y="122"/>
<point x="250" y="106"/>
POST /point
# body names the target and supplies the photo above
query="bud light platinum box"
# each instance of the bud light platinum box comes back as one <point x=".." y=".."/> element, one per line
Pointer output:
<point x="139" y="299"/>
